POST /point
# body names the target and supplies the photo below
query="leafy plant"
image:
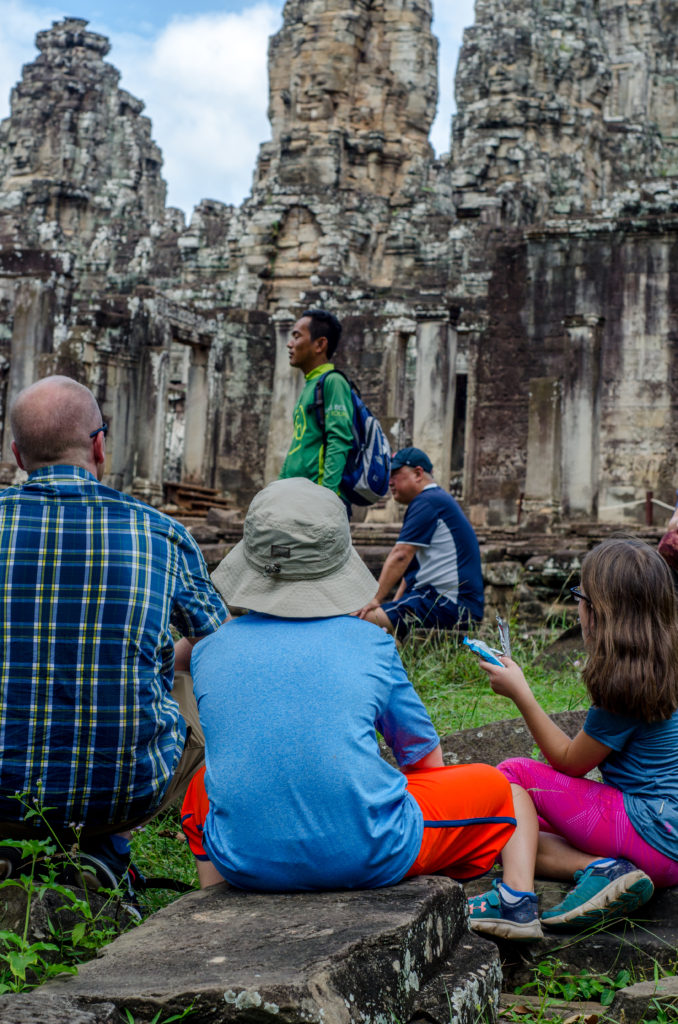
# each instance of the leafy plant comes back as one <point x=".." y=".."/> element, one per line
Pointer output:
<point x="159" y="1019"/>
<point x="662" y="1011"/>
<point x="552" y="977"/>
<point x="25" y="962"/>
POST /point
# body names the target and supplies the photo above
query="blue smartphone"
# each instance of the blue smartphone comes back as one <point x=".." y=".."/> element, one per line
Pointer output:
<point x="480" y="648"/>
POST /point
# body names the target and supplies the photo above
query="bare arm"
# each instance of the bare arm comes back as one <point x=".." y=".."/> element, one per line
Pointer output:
<point x="434" y="759"/>
<point x="572" y="756"/>
<point x="395" y="566"/>
<point x="183" y="649"/>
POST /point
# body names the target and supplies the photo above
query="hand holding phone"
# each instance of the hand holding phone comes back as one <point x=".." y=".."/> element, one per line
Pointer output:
<point x="484" y="652"/>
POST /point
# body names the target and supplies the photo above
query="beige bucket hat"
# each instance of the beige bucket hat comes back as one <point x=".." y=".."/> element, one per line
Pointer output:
<point x="296" y="559"/>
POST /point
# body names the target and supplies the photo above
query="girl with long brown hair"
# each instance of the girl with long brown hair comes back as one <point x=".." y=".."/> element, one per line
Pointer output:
<point x="619" y="838"/>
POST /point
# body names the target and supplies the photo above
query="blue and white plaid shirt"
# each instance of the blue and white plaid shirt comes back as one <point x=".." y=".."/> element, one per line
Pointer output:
<point x="90" y="580"/>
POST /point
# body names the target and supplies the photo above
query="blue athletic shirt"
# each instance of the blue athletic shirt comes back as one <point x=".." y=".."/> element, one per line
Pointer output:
<point x="449" y="556"/>
<point x="643" y="764"/>
<point x="300" y="798"/>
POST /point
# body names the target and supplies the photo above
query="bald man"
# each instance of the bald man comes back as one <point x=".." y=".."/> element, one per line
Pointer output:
<point x="90" y="581"/>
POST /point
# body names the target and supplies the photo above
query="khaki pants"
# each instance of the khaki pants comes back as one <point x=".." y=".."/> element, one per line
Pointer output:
<point x="192" y="758"/>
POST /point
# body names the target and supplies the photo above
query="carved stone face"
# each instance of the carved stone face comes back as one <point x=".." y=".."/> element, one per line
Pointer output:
<point x="314" y="94"/>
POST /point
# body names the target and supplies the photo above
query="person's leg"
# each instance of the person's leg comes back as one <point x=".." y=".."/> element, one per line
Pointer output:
<point x="510" y="909"/>
<point x="556" y="858"/>
<point x="519" y="855"/>
<point x="586" y="836"/>
<point x="589" y="817"/>
<point x="412" y="609"/>
<point x="193" y="755"/>
<point x="193" y="813"/>
<point x="106" y="847"/>
<point x="468" y="819"/>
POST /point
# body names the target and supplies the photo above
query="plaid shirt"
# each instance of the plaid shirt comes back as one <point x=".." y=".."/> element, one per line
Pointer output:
<point x="90" y="580"/>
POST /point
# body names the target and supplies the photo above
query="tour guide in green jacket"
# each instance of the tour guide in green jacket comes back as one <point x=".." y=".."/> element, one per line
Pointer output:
<point x="312" y="343"/>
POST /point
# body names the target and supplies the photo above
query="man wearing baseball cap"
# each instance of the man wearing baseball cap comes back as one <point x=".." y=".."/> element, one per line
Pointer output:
<point x="435" y="563"/>
<point x="295" y="794"/>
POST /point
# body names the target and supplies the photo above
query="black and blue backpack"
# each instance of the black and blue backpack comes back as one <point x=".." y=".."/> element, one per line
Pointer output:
<point x="368" y="466"/>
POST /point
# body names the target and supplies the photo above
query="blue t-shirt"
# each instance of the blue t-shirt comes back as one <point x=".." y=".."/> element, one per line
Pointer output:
<point x="449" y="556"/>
<point x="299" y="795"/>
<point x="643" y="764"/>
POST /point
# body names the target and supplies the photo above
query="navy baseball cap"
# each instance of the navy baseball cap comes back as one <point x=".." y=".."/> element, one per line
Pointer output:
<point x="411" y="457"/>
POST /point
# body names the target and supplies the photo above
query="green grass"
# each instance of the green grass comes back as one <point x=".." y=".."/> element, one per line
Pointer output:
<point x="160" y="849"/>
<point x="457" y="694"/>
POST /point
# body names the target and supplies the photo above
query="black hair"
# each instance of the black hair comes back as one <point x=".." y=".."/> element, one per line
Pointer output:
<point x="324" y="325"/>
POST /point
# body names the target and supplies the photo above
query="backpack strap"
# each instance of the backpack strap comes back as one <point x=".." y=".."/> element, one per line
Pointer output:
<point x="317" y="406"/>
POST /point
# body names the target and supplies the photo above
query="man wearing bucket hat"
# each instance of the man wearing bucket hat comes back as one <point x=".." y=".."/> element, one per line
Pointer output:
<point x="435" y="563"/>
<point x="295" y="795"/>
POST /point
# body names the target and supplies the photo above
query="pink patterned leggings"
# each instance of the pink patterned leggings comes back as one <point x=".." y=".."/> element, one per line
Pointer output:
<point x="589" y="815"/>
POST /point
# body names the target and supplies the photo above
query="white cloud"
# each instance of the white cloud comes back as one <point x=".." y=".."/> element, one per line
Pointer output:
<point x="205" y="86"/>
<point x="19" y="23"/>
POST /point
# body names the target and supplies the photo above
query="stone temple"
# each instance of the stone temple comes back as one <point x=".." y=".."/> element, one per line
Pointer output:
<point x="512" y="307"/>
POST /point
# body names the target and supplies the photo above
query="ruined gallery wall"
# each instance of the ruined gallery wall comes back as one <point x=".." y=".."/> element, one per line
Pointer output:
<point x="510" y="308"/>
<point x="564" y="159"/>
<point x="591" y="423"/>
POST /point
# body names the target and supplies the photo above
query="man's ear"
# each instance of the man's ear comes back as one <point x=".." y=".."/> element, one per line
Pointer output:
<point x="17" y="457"/>
<point x="321" y="344"/>
<point x="98" y="449"/>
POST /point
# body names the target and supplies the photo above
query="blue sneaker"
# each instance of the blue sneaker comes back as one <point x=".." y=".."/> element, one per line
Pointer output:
<point x="491" y="915"/>
<point x="601" y="894"/>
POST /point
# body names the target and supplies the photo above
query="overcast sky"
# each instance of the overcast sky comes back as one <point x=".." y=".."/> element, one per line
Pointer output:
<point x="200" y="68"/>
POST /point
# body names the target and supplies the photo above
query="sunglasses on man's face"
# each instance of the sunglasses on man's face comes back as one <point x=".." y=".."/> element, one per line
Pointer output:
<point x="578" y="596"/>
<point x="103" y="429"/>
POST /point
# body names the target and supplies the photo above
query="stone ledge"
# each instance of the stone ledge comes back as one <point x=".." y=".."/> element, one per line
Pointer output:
<point x="321" y="958"/>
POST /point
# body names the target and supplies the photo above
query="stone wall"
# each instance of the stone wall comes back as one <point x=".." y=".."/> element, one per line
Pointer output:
<point x="511" y="307"/>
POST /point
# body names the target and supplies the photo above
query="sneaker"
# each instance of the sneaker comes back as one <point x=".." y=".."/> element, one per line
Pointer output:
<point x="107" y="865"/>
<point x="602" y="893"/>
<point x="491" y="915"/>
<point x="11" y="861"/>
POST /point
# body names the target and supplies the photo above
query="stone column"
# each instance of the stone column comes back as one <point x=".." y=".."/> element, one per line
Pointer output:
<point x="542" y="482"/>
<point x="581" y="417"/>
<point x="195" y="430"/>
<point x="150" y="433"/>
<point x="32" y="337"/>
<point x="287" y="385"/>
<point x="434" y="394"/>
<point x="399" y="363"/>
<point x="121" y="414"/>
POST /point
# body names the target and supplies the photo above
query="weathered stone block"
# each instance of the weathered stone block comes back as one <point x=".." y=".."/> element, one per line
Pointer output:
<point x="330" y="958"/>
<point x="503" y="574"/>
<point x="633" y="1003"/>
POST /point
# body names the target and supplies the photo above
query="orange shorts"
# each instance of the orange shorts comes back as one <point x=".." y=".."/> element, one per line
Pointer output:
<point x="468" y="818"/>
<point x="193" y="813"/>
